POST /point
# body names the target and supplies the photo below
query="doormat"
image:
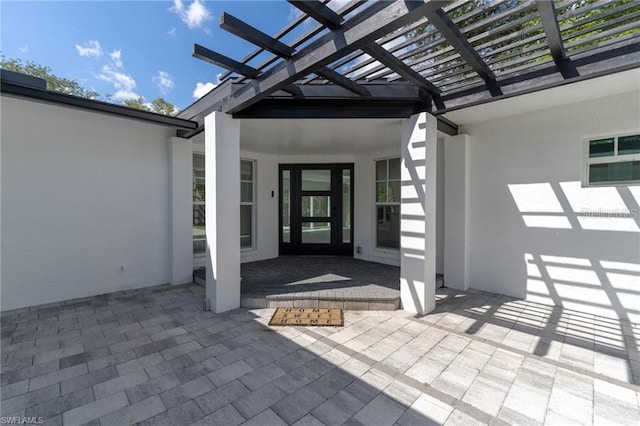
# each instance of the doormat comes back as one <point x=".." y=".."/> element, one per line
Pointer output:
<point x="308" y="316"/>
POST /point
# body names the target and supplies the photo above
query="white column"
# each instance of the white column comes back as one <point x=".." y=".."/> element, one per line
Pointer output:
<point x="418" y="214"/>
<point x="456" y="207"/>
<point x="222" y="209"/>
<point x="181" y="211"/>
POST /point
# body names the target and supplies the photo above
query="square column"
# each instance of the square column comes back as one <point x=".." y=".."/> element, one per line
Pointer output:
<point x="418" y="214"/>
<point x="181" y="210"/>
<point x="456" y="212"/>
<point x="222" y="211"/>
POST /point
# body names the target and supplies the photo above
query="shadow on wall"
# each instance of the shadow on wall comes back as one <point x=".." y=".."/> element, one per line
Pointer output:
<point x="583" y="248"/>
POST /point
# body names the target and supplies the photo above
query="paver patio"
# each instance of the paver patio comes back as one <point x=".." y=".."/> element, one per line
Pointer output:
<point x="153" y="356"/>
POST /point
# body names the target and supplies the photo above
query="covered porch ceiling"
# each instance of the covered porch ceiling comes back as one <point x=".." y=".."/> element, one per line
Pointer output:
<point x="392" y="59"/>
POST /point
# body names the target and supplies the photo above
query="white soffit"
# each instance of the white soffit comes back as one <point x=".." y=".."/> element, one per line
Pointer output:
<point x="319" y="136"/>
<point x="615" y="84"/>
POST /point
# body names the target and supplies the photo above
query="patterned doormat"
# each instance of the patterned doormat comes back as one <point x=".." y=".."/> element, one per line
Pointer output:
<point x="308" y="316"/>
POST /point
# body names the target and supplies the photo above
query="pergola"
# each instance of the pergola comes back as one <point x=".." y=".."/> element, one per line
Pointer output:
<point x="392" y="59"/>
<point x="408" y="60"/>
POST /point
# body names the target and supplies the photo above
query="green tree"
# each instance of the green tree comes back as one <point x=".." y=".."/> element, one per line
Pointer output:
<point x="137" y="103"/>
<point x="55" y="83"/>
<point x="159" y="105"/>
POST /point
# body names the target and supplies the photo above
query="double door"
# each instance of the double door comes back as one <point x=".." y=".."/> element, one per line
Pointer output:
<point x="316" y="214"/>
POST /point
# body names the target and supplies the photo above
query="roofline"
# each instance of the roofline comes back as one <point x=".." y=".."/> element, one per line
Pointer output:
<point x="95" y="106"/>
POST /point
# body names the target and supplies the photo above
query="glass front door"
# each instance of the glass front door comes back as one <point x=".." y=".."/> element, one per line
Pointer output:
<point x="315" y="209"/>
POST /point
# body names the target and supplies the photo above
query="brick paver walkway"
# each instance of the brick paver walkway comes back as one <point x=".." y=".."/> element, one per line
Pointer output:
<point x="153" y="356"/>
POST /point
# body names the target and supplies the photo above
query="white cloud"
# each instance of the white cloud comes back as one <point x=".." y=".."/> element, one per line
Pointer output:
<point x="194" y="14"/>
<point x="202" y="89"/>
<point x="91" y="48"/>
<point x="116" y="57"/>
<point x="172" y="32"/>
<point x="294" y="13"/>
<point x="24" y="48"/>
<point x="115" y="74"/>
<point x="164" y="81"/>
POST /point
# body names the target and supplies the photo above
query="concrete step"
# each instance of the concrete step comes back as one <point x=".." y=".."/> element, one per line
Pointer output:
<point x="255" y="301"/>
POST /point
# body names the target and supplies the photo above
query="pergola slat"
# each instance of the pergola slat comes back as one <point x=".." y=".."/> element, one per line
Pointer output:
<point x="253" y="35"/>
<point x="319" y="12"/>
<point x="212" y="57"/>
<point x="342" y="81"/>
<point x="448" y="29"/>
<point x="377" y="52"/>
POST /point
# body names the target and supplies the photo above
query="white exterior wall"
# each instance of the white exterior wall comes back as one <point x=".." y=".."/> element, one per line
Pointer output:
<point x="534" y="231"/>
<point x="85" y="203"/>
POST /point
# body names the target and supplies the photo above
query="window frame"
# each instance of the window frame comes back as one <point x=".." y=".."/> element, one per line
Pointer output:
<point x="377" y="204"/>
<point x="608" y="159"/>
<point x="197" y="203"/>
<point x="251" y="203"/>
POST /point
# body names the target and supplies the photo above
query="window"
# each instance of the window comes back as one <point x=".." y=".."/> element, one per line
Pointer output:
<point x="246" y="203"/>
<point x="388" y="203"/>
<point x="613" y="160"/>
<point x="199" y="236"/>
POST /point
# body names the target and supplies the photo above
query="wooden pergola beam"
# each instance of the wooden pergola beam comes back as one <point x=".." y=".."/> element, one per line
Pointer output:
<point x="253" y="35"/>
<point x="549" y="18"/>
<point x="342" y="81"/>
<point x="388" y="59"/>
<point x="225" y="62"/>
<point x="319" y="12"/>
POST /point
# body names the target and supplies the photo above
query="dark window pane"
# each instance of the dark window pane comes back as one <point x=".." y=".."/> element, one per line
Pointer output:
<point x="246" y="192"/>
<point x="316" y="180"/>
<point x="629" y="145"/>
<point x="245" y="226"/>
<point x="199" y="245"/>
<point x="393" y="194"/>
<point x="286" y="212"/>
<point x="198" y="190"/>
<point x="199" y="236"/>
<point x="381" y="192"/>
<point x="198" y="165"/>
<point x="601" y="148"/>
<point x="381" y="170"/>
<point x="246" y="170"/>
<point x="346" y="206"/>
<point x="316" y="206"/>
<point x="316" y="232"/>
<point x="198" y="215"/>
<point x="198" y="177"/>
<point x="614" y="172"/>
<point x="394" y="168"/>
<point x="388" y="227"/>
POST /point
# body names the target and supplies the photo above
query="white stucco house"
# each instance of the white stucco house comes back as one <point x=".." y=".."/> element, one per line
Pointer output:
<point x="519" y="179"/>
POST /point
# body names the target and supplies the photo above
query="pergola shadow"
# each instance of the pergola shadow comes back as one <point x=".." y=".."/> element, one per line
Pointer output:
<point x="604" y="345"/>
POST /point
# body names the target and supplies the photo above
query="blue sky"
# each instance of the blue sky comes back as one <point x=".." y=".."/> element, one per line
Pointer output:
<point x="130" y="48"/>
